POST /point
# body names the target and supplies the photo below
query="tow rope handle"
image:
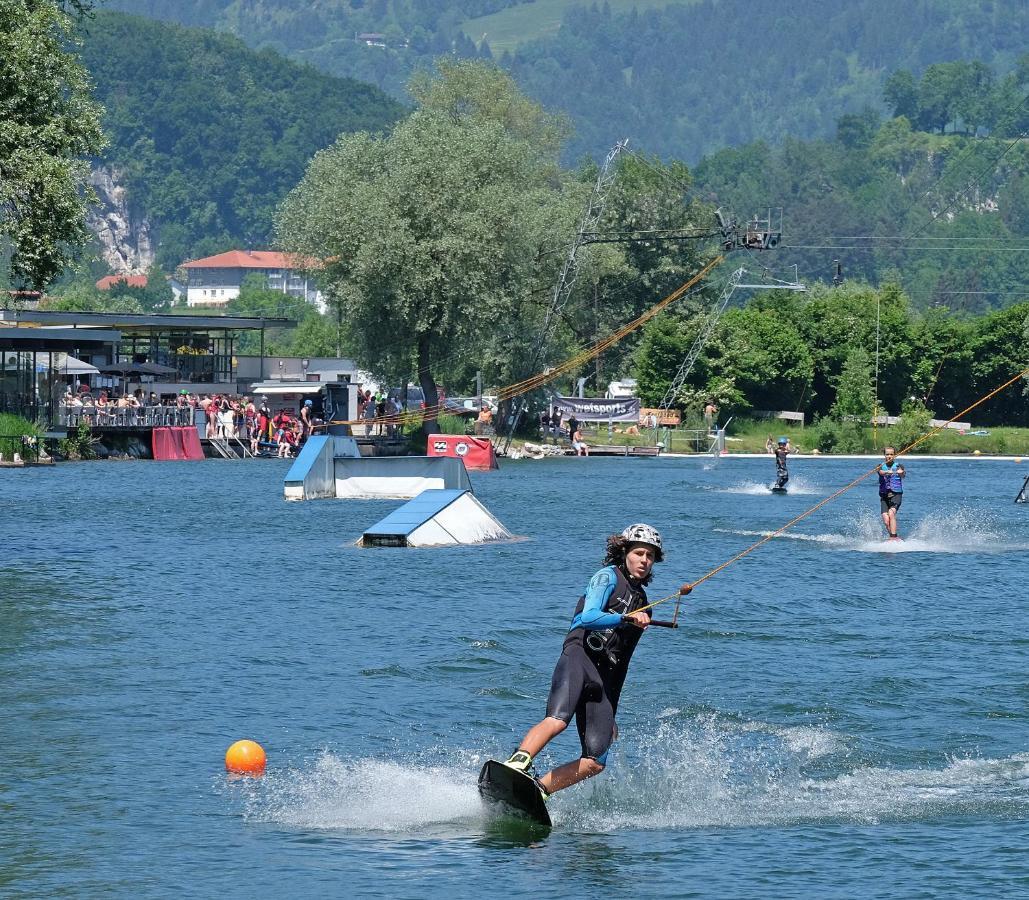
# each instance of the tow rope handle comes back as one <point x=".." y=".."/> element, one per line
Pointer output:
<point x="674" y="623"/>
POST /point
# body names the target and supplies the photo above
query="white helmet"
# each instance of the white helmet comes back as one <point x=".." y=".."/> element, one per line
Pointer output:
<point x="644" y="534"/>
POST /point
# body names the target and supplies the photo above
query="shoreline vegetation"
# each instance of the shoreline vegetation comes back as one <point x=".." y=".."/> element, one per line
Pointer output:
<point x="743" y="438"/>
<point x="748" y="436"/>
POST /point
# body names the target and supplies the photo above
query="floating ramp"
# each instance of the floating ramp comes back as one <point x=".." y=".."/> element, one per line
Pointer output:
<point x="332" y="466"/>
<point x="437" y="517"/>
<point x="313" y="473"/>
<point x="398" y="477"/>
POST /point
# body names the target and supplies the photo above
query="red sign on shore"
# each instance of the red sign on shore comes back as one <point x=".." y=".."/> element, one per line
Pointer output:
<point x="477" y="452"/>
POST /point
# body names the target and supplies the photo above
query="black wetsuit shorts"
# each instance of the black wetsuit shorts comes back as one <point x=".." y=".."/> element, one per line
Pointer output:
<point x="582" y="690"/>
<point x="890" y="500"/>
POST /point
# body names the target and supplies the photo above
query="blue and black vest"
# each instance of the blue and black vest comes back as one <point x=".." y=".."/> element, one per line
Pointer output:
<point x="615" y="646"/>
<point x="890" y="483"/>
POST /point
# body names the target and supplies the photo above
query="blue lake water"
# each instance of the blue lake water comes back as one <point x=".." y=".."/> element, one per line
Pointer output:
<point x="836" y="717"/>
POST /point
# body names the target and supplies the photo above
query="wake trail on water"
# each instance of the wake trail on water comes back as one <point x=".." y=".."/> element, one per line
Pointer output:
<point x="690" y="770"/>
<point x="799" y="485"/>
<point x="369" y="795"/>
<point x="961" y="531"/>
<point x="713" y="771"/>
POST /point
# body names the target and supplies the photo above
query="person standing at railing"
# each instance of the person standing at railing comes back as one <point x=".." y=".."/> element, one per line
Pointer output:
<point x="369" y="414"/>
<point x="103" y="412"/>
<point x="306" y="419"/>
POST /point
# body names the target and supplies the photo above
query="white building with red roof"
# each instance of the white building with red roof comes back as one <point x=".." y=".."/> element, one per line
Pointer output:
<point x="215" y="280"/>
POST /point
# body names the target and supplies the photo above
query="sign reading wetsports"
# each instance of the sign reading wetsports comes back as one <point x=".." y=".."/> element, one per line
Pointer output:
<point x="600" y="409"/>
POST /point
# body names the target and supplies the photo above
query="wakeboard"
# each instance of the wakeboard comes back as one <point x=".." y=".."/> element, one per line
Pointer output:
<point x="778" y="490"/>
<point x="505" y="787"/>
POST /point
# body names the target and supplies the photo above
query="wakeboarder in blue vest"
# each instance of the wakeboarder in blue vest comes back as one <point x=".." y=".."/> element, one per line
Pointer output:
<point x="608" y="623"/>
<point x="891" y="490"/>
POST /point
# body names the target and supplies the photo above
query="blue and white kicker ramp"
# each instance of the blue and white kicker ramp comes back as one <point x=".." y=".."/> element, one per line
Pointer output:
<point x="332" y="466"/>
<point x="437" y="517"/>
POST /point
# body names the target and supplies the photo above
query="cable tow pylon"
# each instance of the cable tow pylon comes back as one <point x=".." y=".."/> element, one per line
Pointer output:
<point x="547" y="375"/>
<point x="707" y="329"/>
<point x="569" y="273"/>
<point x="698" y="345"/>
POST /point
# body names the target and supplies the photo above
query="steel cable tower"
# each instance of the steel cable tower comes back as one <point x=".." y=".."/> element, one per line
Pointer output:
<point x="569" y="272"/>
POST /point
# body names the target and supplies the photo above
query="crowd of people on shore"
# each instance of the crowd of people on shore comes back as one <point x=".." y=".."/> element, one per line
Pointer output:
<point x="228" y="416"/>
<point x="379" y="412"/>
<point x="238" y="417"/>
<point x="111" y="408"/>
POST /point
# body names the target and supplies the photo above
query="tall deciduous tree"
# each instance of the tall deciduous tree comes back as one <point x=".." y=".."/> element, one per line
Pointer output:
<point x="432" y="235"/>
<point x="766" y="355"/>
<point x="854" y="394"/>
<point x="48" y="122"/>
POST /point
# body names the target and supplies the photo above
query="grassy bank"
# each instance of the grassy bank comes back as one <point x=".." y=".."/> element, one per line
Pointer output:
<point x="515" y="25"/>
<point x="750" y="437"/>
<point x="747" y="436"/>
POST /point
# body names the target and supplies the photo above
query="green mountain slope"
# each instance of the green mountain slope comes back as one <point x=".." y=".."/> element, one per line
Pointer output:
<point x="944" y="216"/>
<point x="210" y="135"/>
<point x="680" y="81"/>
<point x="506" y="30"/>
<point x="686" y="80"/>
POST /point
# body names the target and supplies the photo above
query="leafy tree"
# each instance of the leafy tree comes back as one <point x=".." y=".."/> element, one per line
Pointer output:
<point x="155" y="296"/>
<point x="48" y="122"/>
<point x="431" y="236"/>
<point x="1000" y="351"/>
<point x="618" y="281"/>
<point x="315" y="335"/>
<point x="256" y="299"/>
<point x="856" y="130"/>
<point x="766" y="356"/>
<point x="854" y="399"/>
<point x="937" y="93"/>
<point x="665" y="343"/>
<point x="914" y="423"/>
<point x="900" y="92"/>
<point x="79" y="297"/>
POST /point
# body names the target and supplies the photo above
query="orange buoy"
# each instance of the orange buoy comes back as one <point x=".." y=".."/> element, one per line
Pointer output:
<point x="245" y="758"/>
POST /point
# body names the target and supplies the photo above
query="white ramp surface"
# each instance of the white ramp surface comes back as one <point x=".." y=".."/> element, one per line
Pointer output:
<point x="399" y="477"/>
<point x="437" y="518"/>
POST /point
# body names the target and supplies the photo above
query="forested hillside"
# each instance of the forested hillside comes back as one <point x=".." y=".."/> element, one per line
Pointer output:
<point x="940" y="214"/>
<point x="215" y="135"/>
<point x="681" y="81"/>
<point x="210" y="135"/>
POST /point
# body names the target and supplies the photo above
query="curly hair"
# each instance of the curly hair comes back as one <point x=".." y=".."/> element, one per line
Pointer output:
<point x="618" y="546"/>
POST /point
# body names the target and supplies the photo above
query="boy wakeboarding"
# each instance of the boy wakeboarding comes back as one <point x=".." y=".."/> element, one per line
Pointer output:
<point x="782" y="475"/>
<point x="608" y="623"/>
<point x="891" y="490"/>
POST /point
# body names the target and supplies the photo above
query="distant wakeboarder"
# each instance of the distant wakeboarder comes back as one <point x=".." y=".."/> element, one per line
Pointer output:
<point x="891" y="490"/>
<point x="782" y="475"/>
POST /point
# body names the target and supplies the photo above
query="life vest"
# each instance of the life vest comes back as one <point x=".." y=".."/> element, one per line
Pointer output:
<point x="890" y="483"/>
<point x="613" y="647"/>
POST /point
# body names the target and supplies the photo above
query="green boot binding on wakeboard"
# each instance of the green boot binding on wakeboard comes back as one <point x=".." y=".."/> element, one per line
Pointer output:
<point x="520" y="761"/>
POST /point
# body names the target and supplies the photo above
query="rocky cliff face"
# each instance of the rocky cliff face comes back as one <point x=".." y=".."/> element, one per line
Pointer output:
<point x="124" y="233"/>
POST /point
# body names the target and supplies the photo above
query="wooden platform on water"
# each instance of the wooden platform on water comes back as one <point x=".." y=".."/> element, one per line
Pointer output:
<point x="617" y="450"/>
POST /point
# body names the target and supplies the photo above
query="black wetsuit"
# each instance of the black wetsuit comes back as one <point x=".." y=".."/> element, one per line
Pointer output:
<point x="782" y="475"/>
<point x="595" y="658"/>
